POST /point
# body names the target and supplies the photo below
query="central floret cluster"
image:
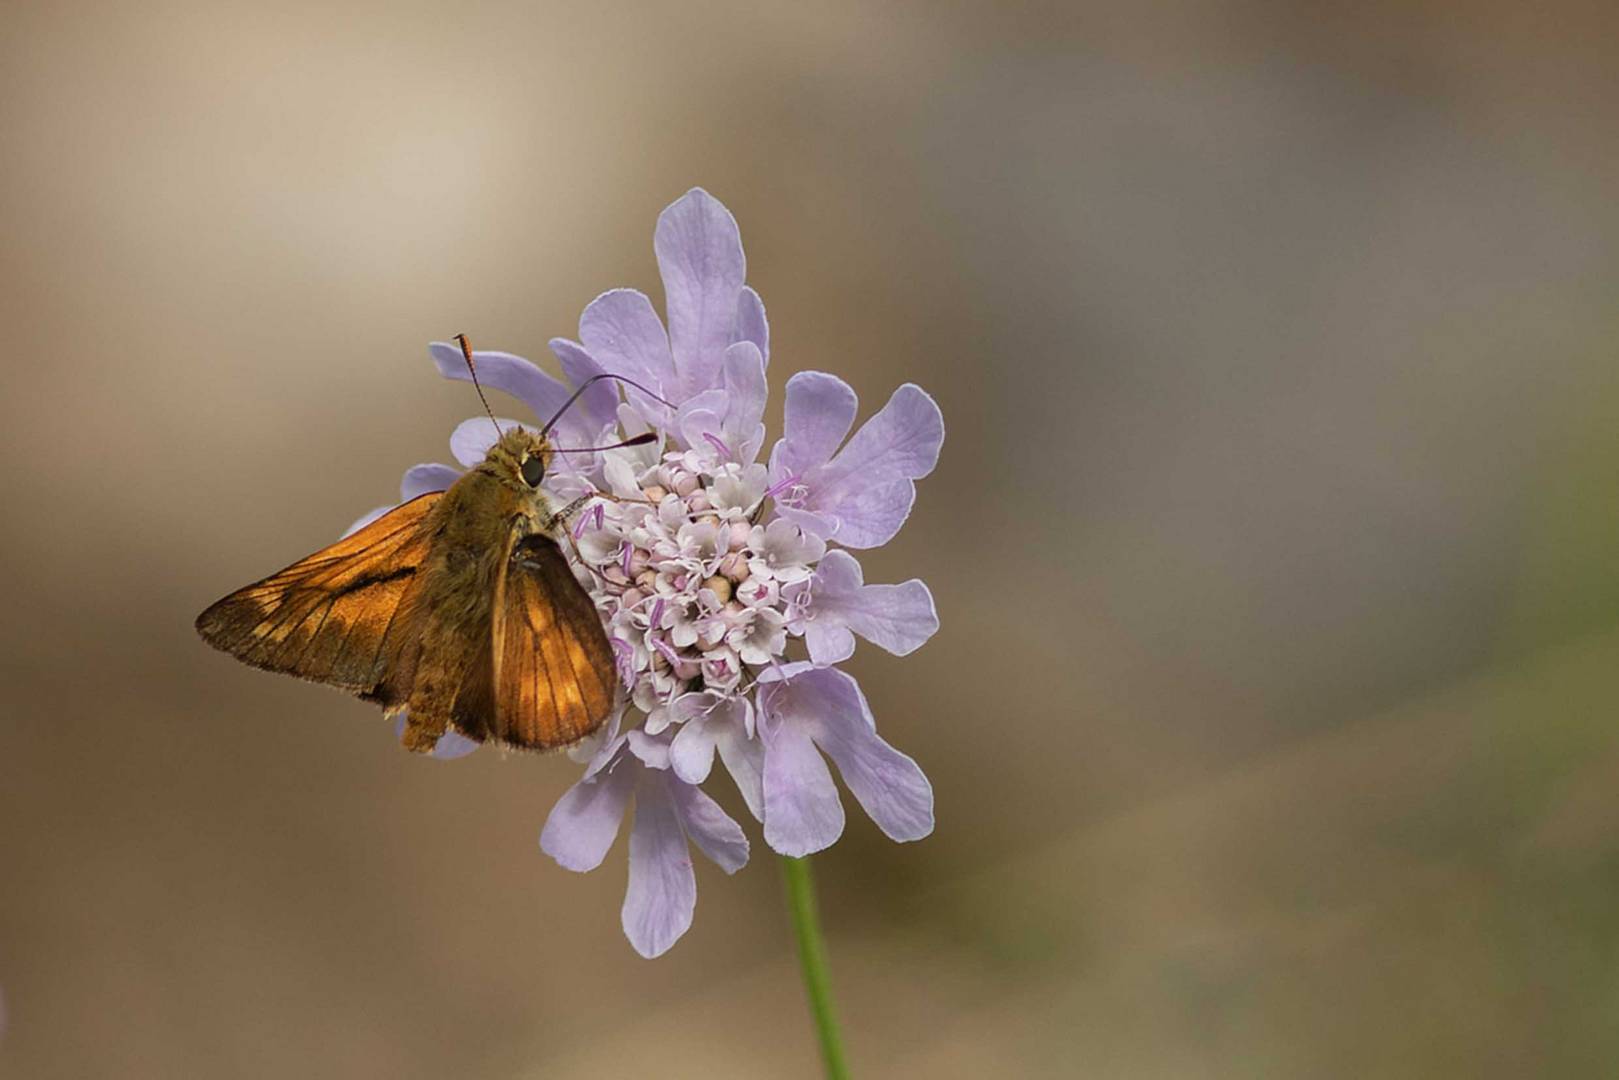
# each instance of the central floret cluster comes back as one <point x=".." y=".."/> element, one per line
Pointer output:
<point x="698" y="596"/>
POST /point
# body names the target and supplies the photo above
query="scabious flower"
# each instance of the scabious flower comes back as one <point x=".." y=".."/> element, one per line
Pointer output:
<point x="726" y="583"/>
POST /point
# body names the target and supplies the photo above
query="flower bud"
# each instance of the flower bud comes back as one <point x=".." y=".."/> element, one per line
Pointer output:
<point x="686" y="483"/>
<point x="735" y="567"/>
<point x="719" y="586"/>
<point x="655" y="492"/>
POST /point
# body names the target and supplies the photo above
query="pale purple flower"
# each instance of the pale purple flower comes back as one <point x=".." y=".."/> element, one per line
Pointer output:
<point x="717" y="580"/>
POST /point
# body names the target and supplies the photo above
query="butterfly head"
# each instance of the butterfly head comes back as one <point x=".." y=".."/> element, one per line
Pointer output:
<point x="520" y="458"/>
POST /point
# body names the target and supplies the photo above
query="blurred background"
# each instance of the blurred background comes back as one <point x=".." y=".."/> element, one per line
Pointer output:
<point x="1276" y="537"/>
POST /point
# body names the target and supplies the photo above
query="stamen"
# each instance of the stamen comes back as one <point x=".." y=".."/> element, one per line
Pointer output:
<point x="624" y="561"/>
<point x="718" y="443"/>
<point x="579" y="526"/>
<point x="781" y="485"/>
<point x="626" y="661"/>
<point x="600" y="512"/>
<point x="657" y="613"/>
<point x="668" y="653"/>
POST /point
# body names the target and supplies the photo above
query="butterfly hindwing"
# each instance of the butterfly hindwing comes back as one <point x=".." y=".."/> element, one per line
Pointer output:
<point x="553" y="674"/>
<point x="343" y="616"/>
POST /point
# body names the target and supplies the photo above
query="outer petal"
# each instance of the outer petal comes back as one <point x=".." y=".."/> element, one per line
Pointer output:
<point x="584" y="822"/>
<point x="818" y="413"/>
<point x="867" y="488"/>
<point x="727" y="727"/>
<point x="600" y="402"/>
<point x="623" y="335"/>
<point x="903" y="439"/>
<point x="701" y="413"/>
<point x="751" y="324"/>
<point x="365" y="519"/>
<point x="888" y="784"/>
<point x="420" y="479"/>
<point x="865" y="517"/>
<point x="899" y="618"/>
<point x="744" y="759"/>
<point x="802" y="811"/>
<point x="471" y="439"/>
<point x="824" y="707"/>
<point x="699" y="250"/>
<point x="662" y="893"/>
<point x="691" y="753"/>
<point x="503" y="371"/>
<point x="746" y="391"/>
<point x="451" y="744"/>
<point x="829" y="640"/>
<point x="709" y="827"/>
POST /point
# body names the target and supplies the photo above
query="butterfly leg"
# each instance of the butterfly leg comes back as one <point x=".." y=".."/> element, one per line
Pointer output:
<point x="561" y="516"/>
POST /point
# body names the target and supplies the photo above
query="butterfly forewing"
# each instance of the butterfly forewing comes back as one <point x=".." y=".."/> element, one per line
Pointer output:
<point x="342" y="616"/>
<point x="553" y="677"/>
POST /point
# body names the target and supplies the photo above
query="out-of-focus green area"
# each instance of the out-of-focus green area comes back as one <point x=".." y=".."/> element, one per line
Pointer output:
<point x="1274" y="719"/>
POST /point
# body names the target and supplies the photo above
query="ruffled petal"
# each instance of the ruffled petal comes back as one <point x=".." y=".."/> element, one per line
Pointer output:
<point x="471" y="439"/>
<point x="709" y="827"/>
<point x="819" y="409"/>
<point x="584" y="822"/>
<point x="662" y="892"/>
<point x="802" y="813"/>
<point x="421" y="479"/>
<point x="751" y="324"/>
<point x="699" y="250"/>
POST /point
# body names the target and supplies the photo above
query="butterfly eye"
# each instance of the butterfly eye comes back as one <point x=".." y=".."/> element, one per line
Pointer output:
<point x="533" y="471"/>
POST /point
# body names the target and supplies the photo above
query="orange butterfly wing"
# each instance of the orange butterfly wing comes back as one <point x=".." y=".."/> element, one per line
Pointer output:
<point x="343" y="616"/>
<point x="554" y="678"/>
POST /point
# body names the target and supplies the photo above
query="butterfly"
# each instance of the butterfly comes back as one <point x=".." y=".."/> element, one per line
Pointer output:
<point x="457" y="609"/>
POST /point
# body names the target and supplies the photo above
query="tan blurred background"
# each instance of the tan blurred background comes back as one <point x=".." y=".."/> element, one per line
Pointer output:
<point x="1276" y="537"/>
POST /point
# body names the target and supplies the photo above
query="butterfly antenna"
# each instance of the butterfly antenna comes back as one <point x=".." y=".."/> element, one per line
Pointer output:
<point x="466" y="354"/>
<point x="546" y="430"/>
<point x="638" y="440"/>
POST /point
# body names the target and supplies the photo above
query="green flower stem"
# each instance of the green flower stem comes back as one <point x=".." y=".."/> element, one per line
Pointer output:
<point x="812" y="959"/>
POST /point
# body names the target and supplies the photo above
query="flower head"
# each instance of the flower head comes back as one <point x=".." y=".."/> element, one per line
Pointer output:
<point x="723" y="581"/>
